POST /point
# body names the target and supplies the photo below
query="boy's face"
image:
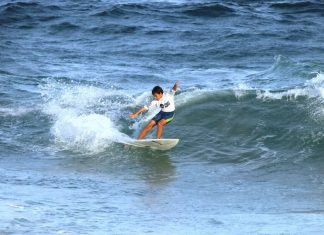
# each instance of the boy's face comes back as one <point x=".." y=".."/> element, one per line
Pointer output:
<point x="158" y="96"/>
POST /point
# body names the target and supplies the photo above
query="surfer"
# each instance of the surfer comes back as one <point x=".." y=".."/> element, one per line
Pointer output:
<point x="166" y="114"/>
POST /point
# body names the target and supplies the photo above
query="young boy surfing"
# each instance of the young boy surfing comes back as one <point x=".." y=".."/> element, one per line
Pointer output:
<point x="163" y="101"/>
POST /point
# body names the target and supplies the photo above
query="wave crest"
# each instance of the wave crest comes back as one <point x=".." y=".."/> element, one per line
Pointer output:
<point x="299" y="7"/>
<point x="209" y="10"/>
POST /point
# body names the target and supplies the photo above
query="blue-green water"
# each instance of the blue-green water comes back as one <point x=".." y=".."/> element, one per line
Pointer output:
<point x="249" y="116"/>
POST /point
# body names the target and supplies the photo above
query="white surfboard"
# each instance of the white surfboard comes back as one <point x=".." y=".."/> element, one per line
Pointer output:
<point x="158" y="144"/>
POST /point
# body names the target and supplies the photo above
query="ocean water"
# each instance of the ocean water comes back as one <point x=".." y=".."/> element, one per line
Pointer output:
<point x="249" y="116"/>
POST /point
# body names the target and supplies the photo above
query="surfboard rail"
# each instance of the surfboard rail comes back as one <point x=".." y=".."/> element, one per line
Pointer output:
<point x="157" y="144"/>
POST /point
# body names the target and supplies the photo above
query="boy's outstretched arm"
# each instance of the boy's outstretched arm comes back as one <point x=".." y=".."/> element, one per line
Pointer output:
<point x="175" y="86"/>
<point x="134" y="115"/>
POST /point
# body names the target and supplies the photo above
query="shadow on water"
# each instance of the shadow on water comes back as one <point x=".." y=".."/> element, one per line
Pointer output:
<point x="118" y="162"/>
<point x="156" y="166"/>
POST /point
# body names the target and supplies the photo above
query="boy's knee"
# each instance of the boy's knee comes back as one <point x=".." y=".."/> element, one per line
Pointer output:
<point x="161" y="123"/>
<point x="151" y="124"/>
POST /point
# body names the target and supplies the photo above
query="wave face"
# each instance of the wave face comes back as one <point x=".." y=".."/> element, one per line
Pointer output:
<point x="259" y="128"/>
<point x="249" y="116"/>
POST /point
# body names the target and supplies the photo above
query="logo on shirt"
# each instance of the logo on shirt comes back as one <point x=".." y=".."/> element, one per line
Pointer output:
<point x="165" y="105"/>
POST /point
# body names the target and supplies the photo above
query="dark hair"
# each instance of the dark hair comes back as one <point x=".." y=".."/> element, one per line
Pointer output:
<point x="157" y="89"/>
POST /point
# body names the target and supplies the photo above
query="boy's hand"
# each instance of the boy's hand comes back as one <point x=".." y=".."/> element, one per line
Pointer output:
<point x="175" y="86"/>
<point x="133" y="115"/>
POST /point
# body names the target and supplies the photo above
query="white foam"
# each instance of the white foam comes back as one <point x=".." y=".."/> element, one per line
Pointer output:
<point x="76" y="125"/>
<point x="241" y="90"/>
<point x="318" y="79"/>
<point x="289" y="94"/>
<point x="92" y="132"/>
<point x="313" y="88"/>
<point x="72" y="95"/>
<point x="317" y="83"/>
<point x="20" y="111"/>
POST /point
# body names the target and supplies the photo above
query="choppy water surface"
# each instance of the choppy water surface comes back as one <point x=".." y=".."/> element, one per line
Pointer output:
<point x="250" y="117"/>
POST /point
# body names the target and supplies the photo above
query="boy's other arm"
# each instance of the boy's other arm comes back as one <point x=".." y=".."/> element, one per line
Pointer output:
<point x="134" y="115"/>
<point x="175" y="86"/>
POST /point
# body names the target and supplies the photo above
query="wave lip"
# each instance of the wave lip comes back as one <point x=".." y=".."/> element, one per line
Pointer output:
<point x="299" y="7"/>
<point x="313" y="88"/>
<point x="115" y="28"/>
<point x="23" y="12"/>
<point x="18" y="7"/>
<point x="64" y="26"/>
<point x="209" y="10"/>
<point x="162" y="9"/>
<point x="123" y="9"/>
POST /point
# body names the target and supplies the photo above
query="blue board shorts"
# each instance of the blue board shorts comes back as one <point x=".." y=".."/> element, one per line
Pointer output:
<point x="168" y="116"/>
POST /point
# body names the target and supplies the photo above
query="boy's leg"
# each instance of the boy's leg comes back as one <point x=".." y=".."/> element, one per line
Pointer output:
<point x="160" y="128"/>
<point x="146" y="129"/>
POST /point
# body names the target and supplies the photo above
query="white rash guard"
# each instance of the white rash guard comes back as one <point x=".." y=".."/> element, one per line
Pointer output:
<point x="166" y="103"/>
